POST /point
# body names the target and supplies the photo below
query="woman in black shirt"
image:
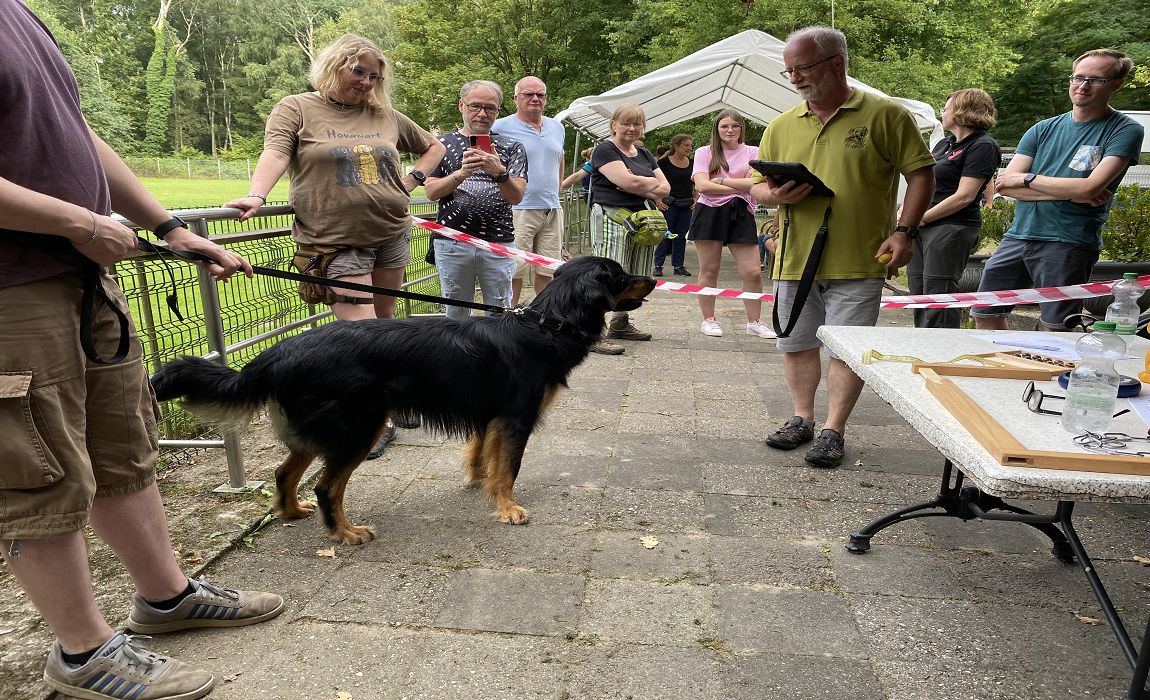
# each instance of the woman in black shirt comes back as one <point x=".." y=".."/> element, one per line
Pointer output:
<point x="964" y="162"/>
<point x="623" y="175"/>
<point x="676" y="166"/>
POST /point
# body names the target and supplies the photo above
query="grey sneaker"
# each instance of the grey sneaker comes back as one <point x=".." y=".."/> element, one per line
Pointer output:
<point x="209" y="606"/>
<point x="604" y="348"/>
<point x="121" y="669"/>
<point x="622" y="329"/>
<point x="793" y="433"/>
<point x="828" y="450"/>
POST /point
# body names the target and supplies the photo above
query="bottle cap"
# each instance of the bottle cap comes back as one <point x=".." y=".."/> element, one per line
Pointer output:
<point x="1129" y="275"/>
<point x="1105" y="325"/>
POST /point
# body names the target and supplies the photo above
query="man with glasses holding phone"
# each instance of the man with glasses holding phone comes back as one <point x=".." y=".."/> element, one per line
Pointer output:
<point x="479" y="179"/>
<point x="1064" y="174"/>
<point x="539" y="217"/>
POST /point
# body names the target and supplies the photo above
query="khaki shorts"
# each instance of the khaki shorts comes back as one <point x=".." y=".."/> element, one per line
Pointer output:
<point x="850" y="302"/>
<point x="361" y="261"/>
<point x="72" y="431"/>
<point x="538" y="231"/>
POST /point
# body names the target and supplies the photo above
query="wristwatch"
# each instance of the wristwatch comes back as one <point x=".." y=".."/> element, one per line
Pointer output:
<point x="418" y="175"/>
<point x="1028" y="179"/>
<point x="502" y="177"/>
<point x="910" y="231"/>
<point x="167" y="227"/>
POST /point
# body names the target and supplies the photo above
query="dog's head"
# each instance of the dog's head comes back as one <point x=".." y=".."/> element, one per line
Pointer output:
<point x="603" y="283"/>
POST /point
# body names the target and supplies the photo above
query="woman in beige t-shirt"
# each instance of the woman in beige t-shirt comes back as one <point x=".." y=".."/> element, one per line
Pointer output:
<point x="341" y="146"/>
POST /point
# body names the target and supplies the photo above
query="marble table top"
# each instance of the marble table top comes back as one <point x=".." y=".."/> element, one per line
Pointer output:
<point x="906" y="392"/>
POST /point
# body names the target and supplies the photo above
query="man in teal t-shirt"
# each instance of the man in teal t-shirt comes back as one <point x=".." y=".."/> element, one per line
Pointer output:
<point x="1063" y="175"/>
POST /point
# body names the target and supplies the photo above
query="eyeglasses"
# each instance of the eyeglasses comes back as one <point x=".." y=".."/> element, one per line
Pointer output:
<point x="1092" y="82"/>
<point x="1033" y="397"/>
<point x="486" y="109"/>
<point x="804" y="70"/>
<point x="360" y="74"/>
<point x="529" y="95"/>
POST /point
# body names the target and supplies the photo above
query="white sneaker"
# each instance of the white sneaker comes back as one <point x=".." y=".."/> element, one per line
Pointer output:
<point x="711" y="327"/>
<point x="760" y="329"/>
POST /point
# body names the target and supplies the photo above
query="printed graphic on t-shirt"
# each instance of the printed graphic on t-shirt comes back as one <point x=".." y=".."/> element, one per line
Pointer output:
<point x="1086" y="159"/>
<point x="955" y="154"/>
<point x="856" y="137"/>
<point x="362" y="164"/>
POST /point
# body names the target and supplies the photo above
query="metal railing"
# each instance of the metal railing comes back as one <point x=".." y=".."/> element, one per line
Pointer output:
<point x="232" y="323"/>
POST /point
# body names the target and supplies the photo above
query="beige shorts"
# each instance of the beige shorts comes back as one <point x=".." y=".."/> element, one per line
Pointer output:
<point x="538" y="231"/>
<point x="72" y="431"/>
<point x="361" y="261"/>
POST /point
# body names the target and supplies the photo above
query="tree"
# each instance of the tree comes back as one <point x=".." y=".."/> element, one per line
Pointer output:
<point x="160" y="78"/>
<point x="1063" y="30"/>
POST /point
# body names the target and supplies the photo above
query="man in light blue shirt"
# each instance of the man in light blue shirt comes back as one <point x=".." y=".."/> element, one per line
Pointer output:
<point x="538" y="218"/>
<point x="1063" y="175"/>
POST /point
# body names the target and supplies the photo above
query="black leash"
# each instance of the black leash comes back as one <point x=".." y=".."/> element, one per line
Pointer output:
<point x="814" y="259"/>
<point x="190" y="256"/>
<point x="525" y="312"/>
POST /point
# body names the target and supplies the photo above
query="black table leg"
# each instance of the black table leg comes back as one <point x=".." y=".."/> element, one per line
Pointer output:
<point x="966" y="503"/>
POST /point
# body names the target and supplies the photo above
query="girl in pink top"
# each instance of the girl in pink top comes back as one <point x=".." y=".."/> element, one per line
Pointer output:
<point x="725" y="216"/>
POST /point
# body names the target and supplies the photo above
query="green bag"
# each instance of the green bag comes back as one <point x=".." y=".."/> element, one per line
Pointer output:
<point x="646" y="226"/>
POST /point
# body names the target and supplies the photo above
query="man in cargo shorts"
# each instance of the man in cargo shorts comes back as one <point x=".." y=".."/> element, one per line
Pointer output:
<point x="858" y="144"/>
<point x="79" y="427"/>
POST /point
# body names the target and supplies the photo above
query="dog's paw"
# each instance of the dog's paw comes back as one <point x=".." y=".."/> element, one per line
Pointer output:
<point x="300" y="509"/>
<point x="354" y="534"/>
<point x="512" y="515"/>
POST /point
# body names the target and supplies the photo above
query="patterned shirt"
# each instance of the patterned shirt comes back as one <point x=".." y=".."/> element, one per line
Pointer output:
<point x="477" y="206"/>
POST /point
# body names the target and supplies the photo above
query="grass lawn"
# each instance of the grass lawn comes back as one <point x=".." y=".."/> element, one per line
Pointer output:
<point x="184" y="193"/>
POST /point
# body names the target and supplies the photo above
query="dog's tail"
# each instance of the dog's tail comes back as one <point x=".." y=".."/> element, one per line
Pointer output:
<point x="215" y="393"/>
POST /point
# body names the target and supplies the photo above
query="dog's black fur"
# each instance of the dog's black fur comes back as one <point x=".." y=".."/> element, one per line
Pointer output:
<point x="487" y="379"/>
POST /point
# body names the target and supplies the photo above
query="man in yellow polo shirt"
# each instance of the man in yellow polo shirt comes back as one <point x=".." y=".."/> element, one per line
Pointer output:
<point x="857" y="144"/>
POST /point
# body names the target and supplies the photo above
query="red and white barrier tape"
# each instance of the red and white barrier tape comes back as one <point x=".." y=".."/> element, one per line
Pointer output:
<point x="913" y="301"/>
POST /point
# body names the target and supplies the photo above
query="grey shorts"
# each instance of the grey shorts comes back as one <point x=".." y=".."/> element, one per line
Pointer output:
<point x="853" y="302"/>
<point x="1019" y="264"/>
<point x="72" y="431"/>
<point x="361" y="261"/>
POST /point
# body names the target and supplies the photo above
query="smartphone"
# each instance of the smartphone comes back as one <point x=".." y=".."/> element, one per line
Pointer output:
<point x="482" y="142"/>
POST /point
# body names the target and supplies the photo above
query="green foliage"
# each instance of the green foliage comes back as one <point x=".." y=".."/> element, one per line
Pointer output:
<point x="1060" y="32"/>
<point x="1126" y="236"/>
<point x="996" y="221"/>
<point x="160" y="79"/>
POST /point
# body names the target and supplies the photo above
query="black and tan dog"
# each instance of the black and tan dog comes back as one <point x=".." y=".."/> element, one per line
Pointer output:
<point x="486" y="379"/>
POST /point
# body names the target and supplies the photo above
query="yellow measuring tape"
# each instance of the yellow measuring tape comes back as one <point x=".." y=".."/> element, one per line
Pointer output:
<point x="873" y="355"/>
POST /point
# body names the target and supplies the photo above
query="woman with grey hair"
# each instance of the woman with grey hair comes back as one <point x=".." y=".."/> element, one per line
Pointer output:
<point x="341" y="145"/>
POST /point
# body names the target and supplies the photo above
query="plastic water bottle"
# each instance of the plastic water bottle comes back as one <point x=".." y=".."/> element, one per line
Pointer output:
<point x="1093" y="386"/>
<point x="1124" y="310"/>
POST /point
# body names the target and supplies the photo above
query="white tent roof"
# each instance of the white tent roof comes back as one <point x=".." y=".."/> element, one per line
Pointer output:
<point x="740" y="72"/>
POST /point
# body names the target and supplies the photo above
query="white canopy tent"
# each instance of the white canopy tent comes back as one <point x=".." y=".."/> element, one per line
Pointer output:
<point x="740" y="72"/>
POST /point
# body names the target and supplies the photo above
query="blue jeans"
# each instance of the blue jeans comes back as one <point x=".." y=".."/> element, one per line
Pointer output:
<point x="460" y="265"/>
<point x="678" y="221"/>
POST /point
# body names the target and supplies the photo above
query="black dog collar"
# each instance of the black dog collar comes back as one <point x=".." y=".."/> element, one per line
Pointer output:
<point x="529" y="314"/>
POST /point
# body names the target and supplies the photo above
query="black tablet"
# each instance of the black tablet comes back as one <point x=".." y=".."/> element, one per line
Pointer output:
<point x="783" y="173"/>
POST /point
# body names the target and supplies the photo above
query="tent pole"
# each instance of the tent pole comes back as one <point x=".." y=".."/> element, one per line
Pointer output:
<point x="575" y="156"/>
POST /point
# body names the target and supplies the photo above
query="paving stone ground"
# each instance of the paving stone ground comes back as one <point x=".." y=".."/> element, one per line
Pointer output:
<point x="748" y="592"/>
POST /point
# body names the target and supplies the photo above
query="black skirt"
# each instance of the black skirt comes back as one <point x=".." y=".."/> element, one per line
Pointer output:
<point x="729" y="223"/>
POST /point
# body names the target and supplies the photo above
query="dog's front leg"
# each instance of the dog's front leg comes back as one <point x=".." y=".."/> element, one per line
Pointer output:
<point x="502" y="455"/>
<point x="288" y="476"/>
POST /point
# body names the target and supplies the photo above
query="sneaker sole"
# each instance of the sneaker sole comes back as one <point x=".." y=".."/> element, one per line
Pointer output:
<point x="781" y="445"/>
<point x="822" y="463"/>
<point x="78" y="692"/>
<point x="629" y="337"/>
<point x="199" y="623"/>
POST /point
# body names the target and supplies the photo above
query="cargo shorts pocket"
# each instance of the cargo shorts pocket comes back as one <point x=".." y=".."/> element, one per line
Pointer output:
<point x="25" y="462"/>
